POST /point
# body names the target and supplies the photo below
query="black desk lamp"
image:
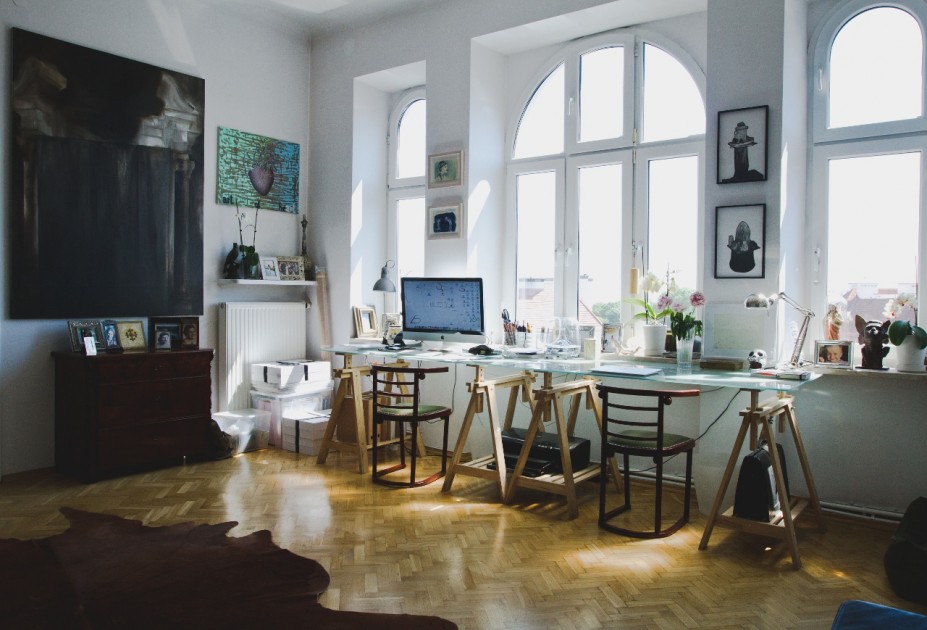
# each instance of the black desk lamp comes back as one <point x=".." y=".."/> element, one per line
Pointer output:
<point x="758" y="300"/>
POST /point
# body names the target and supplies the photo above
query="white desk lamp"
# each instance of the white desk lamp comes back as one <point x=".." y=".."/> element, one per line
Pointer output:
<point x="758" y="300"/>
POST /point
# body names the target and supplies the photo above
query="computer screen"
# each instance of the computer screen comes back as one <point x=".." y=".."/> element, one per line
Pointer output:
<point x="442" y="309"/>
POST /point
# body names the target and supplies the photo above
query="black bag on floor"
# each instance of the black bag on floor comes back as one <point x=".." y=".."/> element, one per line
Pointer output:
<point x="755" y="495"/>
<point x="906" y="556"/>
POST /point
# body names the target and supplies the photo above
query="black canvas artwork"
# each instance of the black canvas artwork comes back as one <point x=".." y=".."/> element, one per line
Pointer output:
<point x="106" y="184"/>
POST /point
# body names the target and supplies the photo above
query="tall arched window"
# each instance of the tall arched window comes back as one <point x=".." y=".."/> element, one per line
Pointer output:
<point x="607" y="150"/>
<point x="407" y="159"/>
<point x="868" y="160"/>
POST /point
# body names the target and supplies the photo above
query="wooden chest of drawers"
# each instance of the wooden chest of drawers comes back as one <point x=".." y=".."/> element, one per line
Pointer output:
<point x="115" y="413"/>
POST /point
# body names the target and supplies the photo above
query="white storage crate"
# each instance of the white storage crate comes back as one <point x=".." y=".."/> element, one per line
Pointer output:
<point x="248" y="429"/>
<point x="297" y="405"/>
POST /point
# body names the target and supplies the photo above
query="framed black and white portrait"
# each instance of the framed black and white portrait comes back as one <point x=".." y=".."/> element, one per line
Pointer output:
<point x="740" y="241"/>
<point x="445" y="169"/>
<point x="742" y="145"/>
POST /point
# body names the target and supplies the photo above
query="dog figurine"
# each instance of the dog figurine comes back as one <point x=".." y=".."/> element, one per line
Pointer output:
<point x="872" y="335"/>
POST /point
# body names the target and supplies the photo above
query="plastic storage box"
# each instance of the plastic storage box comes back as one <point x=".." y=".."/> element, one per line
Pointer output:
<point x="249" y="429"/>
<point x="283" y="406"/>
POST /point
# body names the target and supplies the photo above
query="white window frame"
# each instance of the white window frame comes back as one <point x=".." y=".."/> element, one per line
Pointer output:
<point x="634" y="223"/>
<point x="403" y="102"/>
<point x="901" y="136"/>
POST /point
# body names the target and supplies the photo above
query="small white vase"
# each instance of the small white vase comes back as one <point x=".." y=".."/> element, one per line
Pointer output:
<point x="910" y="357"/>
<point x="654" y="339"/>
<point x="684" y="346"/>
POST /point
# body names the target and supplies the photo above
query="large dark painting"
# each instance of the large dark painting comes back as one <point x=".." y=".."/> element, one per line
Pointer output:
<point x="106" y="183"/>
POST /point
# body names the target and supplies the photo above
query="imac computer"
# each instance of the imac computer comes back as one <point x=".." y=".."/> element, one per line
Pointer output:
<point x="443" y="311"/>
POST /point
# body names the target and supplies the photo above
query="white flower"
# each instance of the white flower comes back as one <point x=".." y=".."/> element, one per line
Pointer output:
<point x="651" y="283"/>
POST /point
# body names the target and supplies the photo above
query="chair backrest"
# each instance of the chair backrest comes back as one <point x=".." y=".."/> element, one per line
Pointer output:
<point x="397" y="389"/>
<point x="637" y="414"/>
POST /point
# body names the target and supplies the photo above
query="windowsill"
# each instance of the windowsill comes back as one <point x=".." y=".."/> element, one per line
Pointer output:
<point x="860" y="372"/>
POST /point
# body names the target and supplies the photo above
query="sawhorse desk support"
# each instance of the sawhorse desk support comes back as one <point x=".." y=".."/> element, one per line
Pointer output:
<point x="550" y="399"/>
<point x="350" y="384"/>
<point x="483" y="392"/>
<point x="758" y="418"/>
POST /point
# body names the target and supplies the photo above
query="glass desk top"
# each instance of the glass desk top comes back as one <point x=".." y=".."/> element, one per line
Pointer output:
<point x="666" y="368"/>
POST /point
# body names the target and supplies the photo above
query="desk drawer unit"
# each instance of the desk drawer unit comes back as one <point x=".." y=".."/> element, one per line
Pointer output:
<point x="116" y="413"/>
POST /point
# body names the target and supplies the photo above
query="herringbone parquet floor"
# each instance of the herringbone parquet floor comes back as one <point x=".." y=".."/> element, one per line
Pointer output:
<point x="464" y="556"/>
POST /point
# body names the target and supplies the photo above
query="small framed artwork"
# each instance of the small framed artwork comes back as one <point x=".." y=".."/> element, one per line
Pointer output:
<point x="391" y="326"/>
<point x="131" y="336"/>
<point x="445" y="169"/>
<point x="742" y="145"/>
<point x="78" y="329"/>
<point x="290" y="268"/>
<point x="110" y="336"/>
<point x="164" y="332"/>
<point x="831" y="353"/>
<point x="190" y="331"/>
<point x="365" y="320"/>
<point x="445" y="221"/>
<point x="269" y="268"/>
<point x="740" y="241"/>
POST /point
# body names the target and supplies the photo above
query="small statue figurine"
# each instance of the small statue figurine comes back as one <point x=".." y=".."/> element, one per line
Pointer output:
<point x="873" y="335"/>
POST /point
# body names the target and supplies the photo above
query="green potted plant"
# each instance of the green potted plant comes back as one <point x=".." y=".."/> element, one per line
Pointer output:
<point x="905" y="334"/>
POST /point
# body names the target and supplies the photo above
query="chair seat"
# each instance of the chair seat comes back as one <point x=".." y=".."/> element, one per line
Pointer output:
<point x="647" y="440"/>
<point x="425" y="412"/>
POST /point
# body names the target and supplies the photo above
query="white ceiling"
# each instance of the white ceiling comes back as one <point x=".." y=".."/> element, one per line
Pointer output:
<point x="312" y="16"/>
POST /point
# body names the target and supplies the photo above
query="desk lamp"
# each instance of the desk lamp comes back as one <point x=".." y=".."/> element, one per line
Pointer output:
<point x="758" y="300"/>
<point x="384" y="283"/>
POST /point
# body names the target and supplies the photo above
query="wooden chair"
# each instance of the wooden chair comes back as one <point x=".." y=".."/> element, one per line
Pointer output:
<point x="639" y="431"/>
<point x="404" y="406"/>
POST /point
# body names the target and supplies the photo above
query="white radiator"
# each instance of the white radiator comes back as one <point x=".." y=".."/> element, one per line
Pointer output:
<point x="255" y="332"/>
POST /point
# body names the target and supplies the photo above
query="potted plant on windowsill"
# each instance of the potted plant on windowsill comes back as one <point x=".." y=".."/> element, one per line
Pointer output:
<point x="654" y="317"/>
<point x="906" y="335"/>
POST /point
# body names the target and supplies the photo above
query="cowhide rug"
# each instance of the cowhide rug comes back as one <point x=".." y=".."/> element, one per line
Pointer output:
<point x="109" y="572"/>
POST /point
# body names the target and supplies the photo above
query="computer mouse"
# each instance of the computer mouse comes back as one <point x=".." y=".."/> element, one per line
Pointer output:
<point x="481" y="349"/>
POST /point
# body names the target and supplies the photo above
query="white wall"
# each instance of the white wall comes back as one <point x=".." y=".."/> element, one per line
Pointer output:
<point x="257" y="80"/>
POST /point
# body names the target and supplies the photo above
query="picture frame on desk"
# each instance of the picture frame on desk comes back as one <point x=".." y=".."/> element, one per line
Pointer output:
<point x="833" y="353"/>
<point x="164" y="333"/>
<point x="110" y="336"/>
<point x="131" y="336"/>
<point x="190" y="333"/>
<point x="78" y="329"/>
<point x="365" y="321"/>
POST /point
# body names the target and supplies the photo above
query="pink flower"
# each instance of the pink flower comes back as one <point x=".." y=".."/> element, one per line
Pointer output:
<point x="697" y="299"/>
<point x="664" y="302"/>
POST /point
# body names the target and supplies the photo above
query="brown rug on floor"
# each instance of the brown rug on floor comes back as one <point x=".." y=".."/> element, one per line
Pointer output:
<point x="109" y="572"/>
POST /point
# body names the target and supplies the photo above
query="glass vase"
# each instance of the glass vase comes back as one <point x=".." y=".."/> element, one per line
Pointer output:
<point x="684" y="347"/>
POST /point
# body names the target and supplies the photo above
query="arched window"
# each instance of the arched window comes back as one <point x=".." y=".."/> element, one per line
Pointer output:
<point x="407" y="159"/>
<point x="607" y="150"/>
<point x="868" y="159"/>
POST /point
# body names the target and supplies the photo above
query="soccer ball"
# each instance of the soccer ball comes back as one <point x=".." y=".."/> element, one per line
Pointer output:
<point x="757" y="359"/>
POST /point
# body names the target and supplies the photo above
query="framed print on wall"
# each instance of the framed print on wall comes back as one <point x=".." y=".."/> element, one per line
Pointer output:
<point x="740" y="241"/>
<point x="445" y="169"/>
<point x="742" y="145"/>
<point x="445" y="221"/>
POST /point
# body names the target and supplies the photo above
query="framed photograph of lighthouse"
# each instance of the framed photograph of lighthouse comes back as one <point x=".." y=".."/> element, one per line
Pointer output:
<point x="742" y="145"/>
<point x="740" y="241"/>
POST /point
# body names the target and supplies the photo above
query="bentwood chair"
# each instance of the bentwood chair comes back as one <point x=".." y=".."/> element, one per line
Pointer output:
<point x="632" y="424"/>
<point x="397" y="398"/>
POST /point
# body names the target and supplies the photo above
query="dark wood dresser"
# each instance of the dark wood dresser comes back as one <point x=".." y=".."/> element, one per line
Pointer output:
<point x="117" y="413"/>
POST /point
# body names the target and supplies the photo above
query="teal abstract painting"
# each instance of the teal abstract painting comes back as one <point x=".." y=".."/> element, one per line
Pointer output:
<point x="257" y="171"/>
